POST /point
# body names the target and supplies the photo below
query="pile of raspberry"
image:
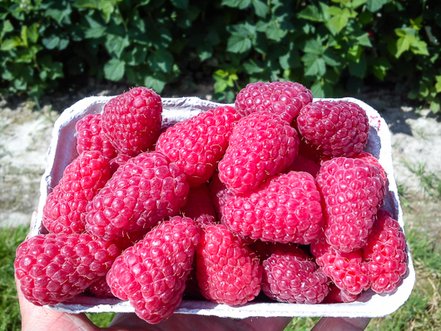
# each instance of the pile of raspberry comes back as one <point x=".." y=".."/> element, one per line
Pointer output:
<point x="273" y="198"/>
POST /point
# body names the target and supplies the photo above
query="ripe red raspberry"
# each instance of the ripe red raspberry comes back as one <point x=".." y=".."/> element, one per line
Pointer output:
<point x="100" y="289"/>
<point x="347" y="270"/>
<point x="218" y="193"/>
<point x="142" y="192"/>
<point x="334" y="128"/>
<point x="368" y="157"/>
<point x="385" y="254"/>
<point x="337" y="295"/>
<point x="53" y="268"/>
<point x="152" y="274"/>
<point x="227" y="270"/>
<point x="90" y="136"/>
<point x="261" y="146"/>
<point x="352" y="190"/>
<point x="292" y="277"/>
<point x="286" y="209"/>
<point x="199" y="206"/>
<point x="132" y="120"/>
<point x="82" y="179"/>
<point x="282" y="98"/>
<point x="197" y="144"/>
<point x="303" y="163"/>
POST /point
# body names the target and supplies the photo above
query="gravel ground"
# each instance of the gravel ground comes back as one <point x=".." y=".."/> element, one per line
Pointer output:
<point x="25" y="136"/>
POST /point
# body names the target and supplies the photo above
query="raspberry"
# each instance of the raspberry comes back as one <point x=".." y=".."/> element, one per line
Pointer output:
<point x="90" y="136"/>
<point x="82" y="179"/>
<point x="372" y="160"/>
<point x="347" y="270"/>
<point x="227" y="270"/>
<point x="353" y="190"/>
<point x="152" y="274"/>
<point x="142" y="192"/>
<point x="282" y="98"/>
<point x="337" y="295"/>
<point x="53" y="268"/>
<point x="197" y="144"/>
<point x="303" y="163"/>
<point x="218" y="193"/>
<point x="261" y="146"/>
<point x="100" y="289"/>
<point x="334" y="128"/>
<point x="286" y="209"/>
<point x="385" y="254"/>
<point x="132" y="120"/>
<point x="291" y="277"/>
<point x="199" y="206"/>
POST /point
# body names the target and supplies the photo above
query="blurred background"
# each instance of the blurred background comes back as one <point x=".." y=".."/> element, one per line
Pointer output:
<point x="384" y="52"/>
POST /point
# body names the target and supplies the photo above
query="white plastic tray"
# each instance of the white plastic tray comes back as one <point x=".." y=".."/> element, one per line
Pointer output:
<point x="63" y="150"/>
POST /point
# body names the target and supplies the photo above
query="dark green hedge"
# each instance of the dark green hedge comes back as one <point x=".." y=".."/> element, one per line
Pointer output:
<point x="329" y="46"/>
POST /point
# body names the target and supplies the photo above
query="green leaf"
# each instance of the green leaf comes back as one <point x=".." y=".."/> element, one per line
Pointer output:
<point x="260" y="7"/>
<point x="314" y="65"/>
<point x="375" y="5"/>
<point x="238" y="43"/>
<point x="358" y="69"/>
<point x="438" y="84"/>
<point x="311" y="13"/>
<point x="114" y="69"/>
<point x="181" y="4"/>
<point x="7" y="27"/>
<point x="380" y="68"/>
<point x="161" y="60"/>
<point x="274" y="32"/>
<point x="364" y="40"/>
<point x="338" y="21"/>
<point x="317" y="89"/>
<point x="51" y="42"/>
<point x="95" y="29"/>
<point x="314" y="46"/>
<point x="241" y="4"/>
<point x="115" y="44"/>
<point x="155" y="83"/>
<point x="251" y="67"/>
<point x="10" y="44"/>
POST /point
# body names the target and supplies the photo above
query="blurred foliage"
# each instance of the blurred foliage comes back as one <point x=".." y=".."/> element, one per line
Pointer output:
<point x="329" y="46"/>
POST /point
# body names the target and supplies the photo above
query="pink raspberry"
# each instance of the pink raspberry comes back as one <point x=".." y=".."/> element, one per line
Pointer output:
<point x="290" y="276"/>
<point x="153" y="273"/>
<point x="385" y="254"/>
<point x="261" y="146"/>
<point x="199" y="206"/>
<point x="142" y="192"/>
<point x="226" y="269"/>
<point x="53" y="268"/>
<point x="282" y="98"/>
<point x="347" y="270"/>
<point x="352" y="190"/>
<point x="286" y="209"/>
<point x="132" y="120"/>
<point x="334" y="128"/>
<point x="100" y="289"/>
<point x="90" y="136"/>
<point x="82" y="179"/>
<point x="197" y="144"/>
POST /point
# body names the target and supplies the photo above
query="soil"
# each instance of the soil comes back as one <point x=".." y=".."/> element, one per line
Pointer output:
<point x="25" y="131"/>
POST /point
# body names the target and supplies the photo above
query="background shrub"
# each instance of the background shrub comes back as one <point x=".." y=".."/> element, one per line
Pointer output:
<point x="330" y="46"/>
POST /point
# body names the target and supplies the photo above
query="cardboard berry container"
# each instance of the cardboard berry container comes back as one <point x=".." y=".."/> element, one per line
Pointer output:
<point x="62" y="151"/>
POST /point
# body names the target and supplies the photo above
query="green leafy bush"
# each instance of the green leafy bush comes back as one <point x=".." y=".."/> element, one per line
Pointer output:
<point x="330" y="46"/>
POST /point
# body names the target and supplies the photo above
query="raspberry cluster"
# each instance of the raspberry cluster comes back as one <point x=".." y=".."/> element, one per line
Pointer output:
<point x="273" y="197"/>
